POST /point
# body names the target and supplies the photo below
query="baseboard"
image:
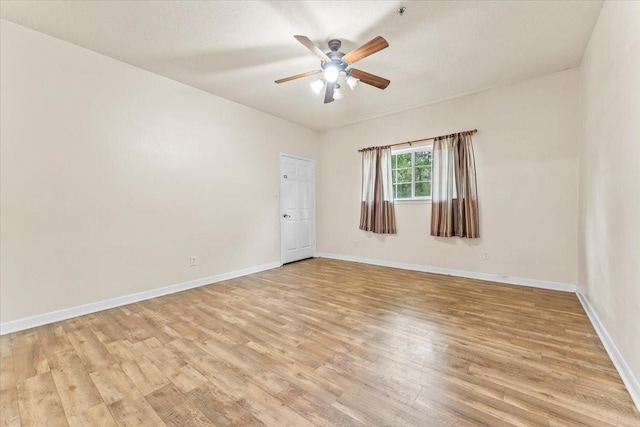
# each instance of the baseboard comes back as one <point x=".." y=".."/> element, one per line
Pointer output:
<point x="519" y="281"/>
<point x="629" y="380"/>
<point x="67" y="313"/>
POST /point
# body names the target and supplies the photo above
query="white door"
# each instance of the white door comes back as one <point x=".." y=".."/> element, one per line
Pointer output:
<point x="297" y="208"/>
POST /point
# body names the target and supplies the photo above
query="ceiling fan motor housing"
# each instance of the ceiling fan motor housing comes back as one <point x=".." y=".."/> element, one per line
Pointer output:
<point x="334" y="44"/>
<point x="335" y="64"/>
<point x="335" y="56"/>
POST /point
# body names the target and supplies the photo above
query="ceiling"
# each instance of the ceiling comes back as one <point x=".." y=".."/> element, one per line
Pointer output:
<point x="236" y="49"/>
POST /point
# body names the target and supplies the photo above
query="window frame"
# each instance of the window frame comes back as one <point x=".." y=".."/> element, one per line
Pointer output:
<point x="413" y="199"/>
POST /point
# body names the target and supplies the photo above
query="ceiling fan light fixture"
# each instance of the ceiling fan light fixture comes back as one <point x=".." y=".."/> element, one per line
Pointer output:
<point x="337" y="93"/>
<point x="352" y="82"/>
<point x="317" y="86"/>
<point x="331" y="73"/>
<point x="335" y="67"/>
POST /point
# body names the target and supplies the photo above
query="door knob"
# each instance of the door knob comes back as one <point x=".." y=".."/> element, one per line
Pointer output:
<point x="286" y="216"/>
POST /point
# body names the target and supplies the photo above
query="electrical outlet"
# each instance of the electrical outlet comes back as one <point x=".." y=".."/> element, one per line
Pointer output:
<point x="486" y="256"/>
<point x="193" y="261"/>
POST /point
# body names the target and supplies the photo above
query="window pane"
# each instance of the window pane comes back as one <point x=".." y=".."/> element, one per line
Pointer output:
<point x="423" y="173"/>
<point x="404" y="160"/>
<point x="411" y="174"/>
<point x="403" y="175"/>
<point x="396" y="194"/>
<point x="423" y="189"/>
<point x="423" y="158"/>
<point x="403" y="191"/>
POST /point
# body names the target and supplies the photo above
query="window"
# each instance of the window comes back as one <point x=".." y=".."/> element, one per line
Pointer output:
<point x="411" y="169"/>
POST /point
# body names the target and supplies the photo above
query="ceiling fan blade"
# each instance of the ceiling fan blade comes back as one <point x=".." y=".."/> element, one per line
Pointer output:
<point x="365" y="50"/>
<point x="313" y="48"/>
<point x="298" y="76"/>
<point x="370" y="79"/>
<point x="328" y="95"/>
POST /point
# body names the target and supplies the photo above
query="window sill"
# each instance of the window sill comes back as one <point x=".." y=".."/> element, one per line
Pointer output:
<point x="411" y="201"/>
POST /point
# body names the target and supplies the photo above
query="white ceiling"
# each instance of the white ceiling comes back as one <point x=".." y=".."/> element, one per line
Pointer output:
<point x="236" y="49"/>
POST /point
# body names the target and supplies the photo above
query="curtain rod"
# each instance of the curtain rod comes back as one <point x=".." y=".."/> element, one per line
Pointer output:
<point x="420" y="140"/>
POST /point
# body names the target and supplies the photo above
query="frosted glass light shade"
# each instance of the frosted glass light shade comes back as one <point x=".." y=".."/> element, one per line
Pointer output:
<point x="337" y="93"/>
<point x="317" y="86"/>
<point x="352" y="82"/>
<point x="331" y="74"/>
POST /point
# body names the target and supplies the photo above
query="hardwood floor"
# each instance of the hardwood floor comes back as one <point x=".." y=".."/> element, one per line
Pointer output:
<point x="320" y="342"/>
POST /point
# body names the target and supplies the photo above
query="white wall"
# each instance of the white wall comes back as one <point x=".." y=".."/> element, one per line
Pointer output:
<point x="526" y="161"/>
<point x="112" y="177"/>
<point x="609" y="262"/>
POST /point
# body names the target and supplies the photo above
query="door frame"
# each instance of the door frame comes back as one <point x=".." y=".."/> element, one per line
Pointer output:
<point x="313" y="201"/>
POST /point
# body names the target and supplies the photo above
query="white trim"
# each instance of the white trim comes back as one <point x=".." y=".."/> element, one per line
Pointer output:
<point x="295" y="156"/>
<point x="313" y="203"/>
<point x="534" y="283"/>
<point x="414" y="201"/>
<point x="627" y="376"/>
<point x="67" y="313"/>
<point x="413" y="150"/>
<point x="629" y="380"/>
<point x="415" y="146"/>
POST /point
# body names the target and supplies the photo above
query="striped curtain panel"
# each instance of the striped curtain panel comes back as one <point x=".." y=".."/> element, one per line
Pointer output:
<point x="377" y="212"/>
<point x="454" y="199"/>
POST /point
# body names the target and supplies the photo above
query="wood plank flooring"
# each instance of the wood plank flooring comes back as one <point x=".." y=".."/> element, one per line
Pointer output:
<point x="322" y="343"/>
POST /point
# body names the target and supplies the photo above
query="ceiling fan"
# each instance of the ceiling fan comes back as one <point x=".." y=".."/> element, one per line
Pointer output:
<point x="335" y="65"/>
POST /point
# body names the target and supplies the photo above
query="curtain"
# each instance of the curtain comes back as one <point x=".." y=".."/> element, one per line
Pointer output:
<point x="377" y="212"/>
<point x="454" y="199"/>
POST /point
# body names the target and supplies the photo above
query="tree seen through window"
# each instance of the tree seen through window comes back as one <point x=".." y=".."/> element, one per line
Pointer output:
<point x="411" y="172"/>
